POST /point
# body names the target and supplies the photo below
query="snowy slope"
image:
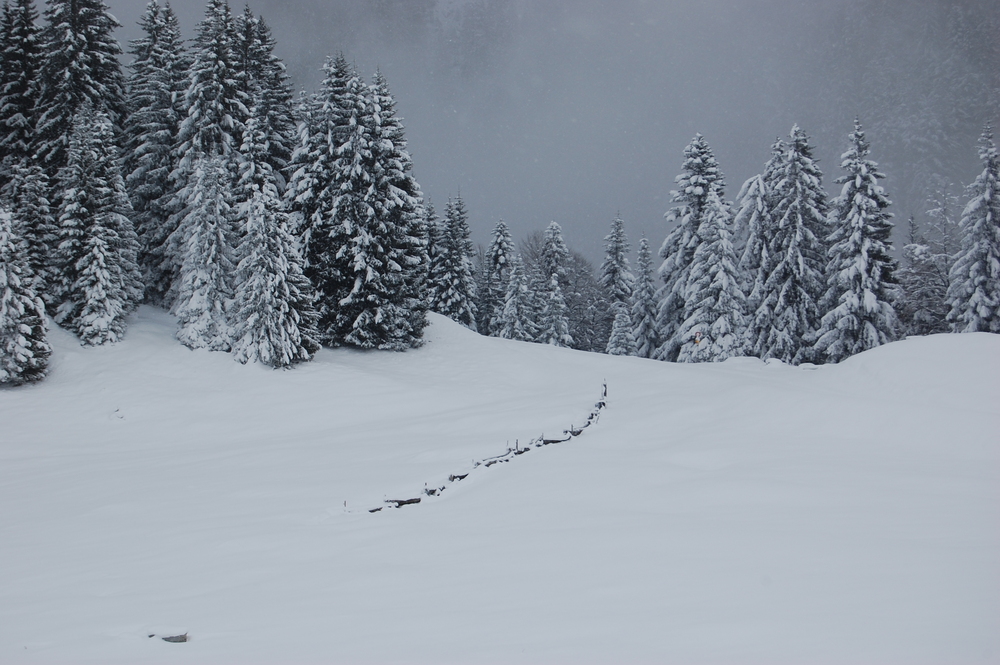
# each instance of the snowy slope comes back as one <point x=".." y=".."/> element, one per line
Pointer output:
<point x="738" y="512"/>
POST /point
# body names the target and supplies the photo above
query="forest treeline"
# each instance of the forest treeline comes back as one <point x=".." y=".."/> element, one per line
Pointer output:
<point x="271" y="225"/>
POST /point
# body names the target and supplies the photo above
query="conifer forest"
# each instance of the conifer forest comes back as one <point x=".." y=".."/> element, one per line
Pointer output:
<point x="271" y="224"/>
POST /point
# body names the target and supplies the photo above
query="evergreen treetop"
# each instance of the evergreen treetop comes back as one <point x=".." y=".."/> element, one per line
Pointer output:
<point x="616" y="278"/>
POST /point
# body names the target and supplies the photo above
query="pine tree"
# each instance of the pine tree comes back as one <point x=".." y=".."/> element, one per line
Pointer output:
<point x="861" y="282"/>
<point x="323" y="124"/>
<point x="97" y="254"/>
<point x="616" y="278"/>
<point x="204" y="242"/>
<point x="700" y="177"/>
<point x="622" y="342"/>
<point x="924" y="282"/>
<point x="516" y="321"/>
<point x="554" y="254"/>
<point x="26" y="193"/>
<point x="496" y="274"/>
<point x="156" y="89"/>
<point x="588" y="308"/>
<point x="453" y="281"/>
<point x="714" y="326"/>
<point x="19" y="62"/>
<point x="79" y="66"/>
<point x="644" y="305"/>
<point x="24" y="348"/>
<point x="974" y="288"/>
<point x="754" y="227"/>
<point x="553" y="324"/>
<point x="794" y="285"/>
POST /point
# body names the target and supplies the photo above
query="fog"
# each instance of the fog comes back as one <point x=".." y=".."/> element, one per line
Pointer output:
<point x="574" y="111"/>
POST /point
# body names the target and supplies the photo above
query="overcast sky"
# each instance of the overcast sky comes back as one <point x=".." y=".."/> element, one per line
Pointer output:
<point x="575" y="110"/>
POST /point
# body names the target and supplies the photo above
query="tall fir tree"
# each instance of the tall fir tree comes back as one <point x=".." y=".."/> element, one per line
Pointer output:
<point x="20" y="58"/>
<point x="700" y="177"/>
<point x="273" y="314"/>
<point x="24" y="347"/>
<point x="616" y="278"/>
<point x="974" y="281"/>
<point x="554" y="254"/>
<point x="453" y="285"/>
<point x="861" y="284"/>
<point x="797" y="254"/>
<point x="923" y="279"/>
<point x="156" y="90"/>
<point x="644" y="304"/>
<point x="754" y="227"/>
<point x="204" y="241"/>
<point x="79" y="66"/>
<point x="714" y="326"/>
<point x="97" y="254"/>
<point x="27" y="194"/>
<point x="496" y="274"/>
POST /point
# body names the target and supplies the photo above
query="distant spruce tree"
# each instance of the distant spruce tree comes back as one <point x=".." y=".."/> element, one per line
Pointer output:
<point x="974" y="282"/>
<point x="453" y="286"/>
<point x="714" y="326"/>
<point x="205" y="242"/>
<point x="516" y="318"/>
<point x="24" y="347"/>
<point x="588" y="307"/>
<point x="861" y="285"/>
<point x="79" y="66"/>
<point x="20" y="59"/>
<point x="97" y="254"/>
<point x="274" y="320"/>
<point x="496" y="274"/>
<point x="644" y="304"/>
<point x="754" y="227"/>
<point x="700" y="177"/>
<point x="797" y="255"/>
<point x="616" y="278"/>
<point x="553" y="324"/>
<point x="156" y="90"/>
<point x="622" y="342"/>
<point x="554" y="254"/>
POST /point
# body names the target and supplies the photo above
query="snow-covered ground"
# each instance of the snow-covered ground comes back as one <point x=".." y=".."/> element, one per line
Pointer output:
<point x="733" y="513"/>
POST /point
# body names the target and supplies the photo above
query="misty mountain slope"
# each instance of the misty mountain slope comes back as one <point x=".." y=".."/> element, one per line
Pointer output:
<point x="725" y="513"/>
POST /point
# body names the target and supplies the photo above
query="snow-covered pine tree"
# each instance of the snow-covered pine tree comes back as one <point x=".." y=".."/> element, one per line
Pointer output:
<point x="24" y="348"/>
<point x="79" y="66"/>
<point x="861" y="284"/>
<point x="553" y="324"/>
<point x="554" y="253"/>
<point x="274" y="319"/>
<point x="588" y="309"/>
<point x="398" y="204"/>
<point x="797" y="254"/>
<point x="754" y="227"/>
<point x="454" y="285"/>
<point x="700" y="176"/>
<point x="974" y="282"/>
<point x="97" y="254"/>
<point x="263" y="78"/>
<point x="156" y="89"/>
<point x="923" y="279"/>
<point x="26" y="194"/>
<point x="19" y="62"/>
<point x="204" y="242"/>
<point x="515" y="320"/>
<point x="323" y="123"/>
<point x="644" y="304"/>
<point x="616" y="278"/>
<point x="622" y="342"/>
<point x="496" y="273"/>
<point x="714" y="326"/>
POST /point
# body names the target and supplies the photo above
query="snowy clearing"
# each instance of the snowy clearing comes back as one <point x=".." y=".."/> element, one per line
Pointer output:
<point x="736" y="512"/>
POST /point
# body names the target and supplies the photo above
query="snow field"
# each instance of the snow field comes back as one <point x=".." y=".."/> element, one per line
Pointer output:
<point x="734" y="512"/>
